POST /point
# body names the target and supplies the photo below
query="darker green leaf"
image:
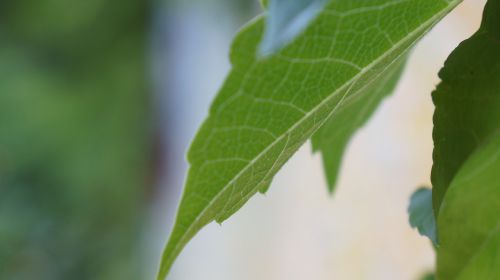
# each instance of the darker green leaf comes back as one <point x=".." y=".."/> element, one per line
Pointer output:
<point x="467" y="102"/>
<point x="466" y="167"/>
<point x="429" y="276"/>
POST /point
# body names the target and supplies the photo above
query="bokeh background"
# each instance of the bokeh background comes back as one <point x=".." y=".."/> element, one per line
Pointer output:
<point x="98" y="103"/>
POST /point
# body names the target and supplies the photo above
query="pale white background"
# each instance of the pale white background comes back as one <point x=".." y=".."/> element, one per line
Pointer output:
<point x="297" y="231"/>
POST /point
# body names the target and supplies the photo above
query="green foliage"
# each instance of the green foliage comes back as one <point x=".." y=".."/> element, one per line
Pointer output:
<point x="421" y="214"/>
<point x="332" y="138"/>
<point x="468" y="223"/>
<point x="429" y="276"/>
<point x="267" y="108"/>
<point x="264" y="3"/>
<point x="463" y="119"/>
<point x="467" y="156"/>
<point x="73" y="139"/>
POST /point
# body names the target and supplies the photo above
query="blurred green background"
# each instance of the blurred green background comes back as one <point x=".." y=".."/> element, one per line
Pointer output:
<point x="75" y="138"/>
<point x="79" y="147"/>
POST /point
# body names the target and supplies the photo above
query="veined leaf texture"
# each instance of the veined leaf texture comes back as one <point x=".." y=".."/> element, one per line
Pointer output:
<point x="338" y="68"/>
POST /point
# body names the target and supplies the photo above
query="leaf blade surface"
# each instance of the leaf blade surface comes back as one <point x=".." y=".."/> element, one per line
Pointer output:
<point x="465" y="174"/>
<point x="267" y="108"/>
<point x="332" y="138"/>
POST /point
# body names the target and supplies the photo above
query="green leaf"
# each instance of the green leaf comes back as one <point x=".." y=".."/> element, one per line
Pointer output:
<point x="467" y="156"/>
<point x="467" y="109"/>
<point x="264" y="3"/>
<point x="428" y="276"/>
<point x="469" y="222"/>
<point x="285" y="20"/>
<point x="267" y="108"/>
<point x="421" y="214"/>
<point x="332" y="138"/>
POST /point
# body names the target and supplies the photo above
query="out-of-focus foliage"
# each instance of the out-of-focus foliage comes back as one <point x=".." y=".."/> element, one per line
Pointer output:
<point x="429" y="276"/>
<point x="421" y="214"/>
<point x="73" y="138"/>
<point x="467" y="102"/>
<point x="465" y="174"/>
